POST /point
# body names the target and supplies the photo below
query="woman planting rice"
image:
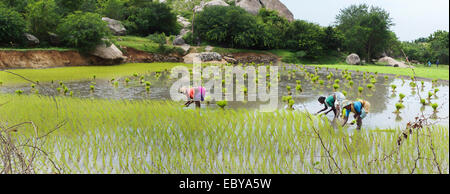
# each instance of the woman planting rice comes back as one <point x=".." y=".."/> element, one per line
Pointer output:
<point x="360" y="108"/>
<point x="195" y="94"/>
<point x="334" y="102"/>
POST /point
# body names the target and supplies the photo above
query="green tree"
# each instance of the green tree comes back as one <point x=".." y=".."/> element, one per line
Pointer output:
<point x="273" y="28"/>
<point x="152" y="17"/>
<point x="83" y="30"/>
<point x="114" y="9"/>
<point x="439" y="46"/>
<point x="12" y="26"/>
<point x="42" y="18"/>
<point x="366" y="31"/>
<point x="227" y="26"/>
<point x="306" y="37"/>
<point x="17" y="5"/>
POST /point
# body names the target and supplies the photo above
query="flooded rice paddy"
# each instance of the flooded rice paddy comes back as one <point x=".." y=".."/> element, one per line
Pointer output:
<point x="381" y="95"/>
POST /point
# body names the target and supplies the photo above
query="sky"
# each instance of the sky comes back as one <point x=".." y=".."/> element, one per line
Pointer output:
<point x="412" y="18"/>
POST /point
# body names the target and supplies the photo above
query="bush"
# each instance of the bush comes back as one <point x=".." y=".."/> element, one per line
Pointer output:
<point x="152" y="17"/>
<point x="157" y="38"/>
<point x="82" y="30"/>
<point x="12" y="26"/>
<point x="42" y="18"/>
<point x="229" y="26"/>
<point x="114" y="9"/>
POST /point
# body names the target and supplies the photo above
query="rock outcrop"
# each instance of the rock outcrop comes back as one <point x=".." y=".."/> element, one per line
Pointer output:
<point x="31" y="40"/>
<point x="178" y="40"/>
<point x="253" y="7"/>
<point x="353" y="59"/>
<point x="392" y="62"/>
<point x="210" y="3"/>
<point x="108" y="52"/>
<point x="115" y="26"/>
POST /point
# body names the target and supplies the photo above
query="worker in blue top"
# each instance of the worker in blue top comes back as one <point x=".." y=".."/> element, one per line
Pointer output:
<point x="334" y="102"/>
<point x="359" y="108"/>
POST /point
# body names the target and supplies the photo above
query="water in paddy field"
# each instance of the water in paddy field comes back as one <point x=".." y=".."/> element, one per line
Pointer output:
<point x="381" y="96"/>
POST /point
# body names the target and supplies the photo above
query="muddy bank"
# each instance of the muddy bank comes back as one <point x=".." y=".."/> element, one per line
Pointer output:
<point x="53" y="58"/>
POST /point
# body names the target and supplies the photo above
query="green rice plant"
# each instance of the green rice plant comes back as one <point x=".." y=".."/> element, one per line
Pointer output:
<point x="222" y="104"/>
<point x="66" y="90"/>
<point x="286" y="98"/>
<point x="147" y="88"/>
<point x="127" y="80"/>
<point x="337" y="81"/>
<point x="116" y="84"/>
<point x="299" y="88"/>
<point x="58" y="89"/>
<point x="148" y="84"/>
<point x="430" y="94"/>
<point x="92" y="87"/>
<point x="370" y="86"/>
<point x="373" y="81"/>
<point x="298" y="82"/>
<point x="336" y="86"/>
<point x="412" y="84"/>
<point x="393" y="86"/>
<point x="386" y="77"/>
<point x="288" y="88"/>
<point x="19" y="92"/>
<point x="1" y="83"/>
<point x="434" y="106"/>
<point x="351" y="83"/>
<point x="423" y="102"/>
<point x="344" y="92"/>
<point x="94" y="76"/>
<point x="401" y="96"/>
<point x="291" y="104"/>
<point x="436" y="90"/>
<point x="360" y="89"/>
<point x="398" y="106"/>
<point x="33" y="86"/>
<point x="71" y="93"/>
<point x="423" y="83"/>
<point x="321" y="82"/>
<point x="136" y="74"/>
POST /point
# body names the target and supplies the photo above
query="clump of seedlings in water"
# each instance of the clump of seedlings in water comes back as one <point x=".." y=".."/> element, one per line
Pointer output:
<point x="393" y="86"/>
<point x="373" y="81"/>
<point x="423" y="83"/>
<point x="94" y="76"/>
<point x="436" y="90"/>
<point x="92" y="87"/>
<point x="401" y="96"/>
<point x="351" y="83"/>
<point x="336" y="86"/>
<point x="344" y="92"/>
<point x="127" y="80"/>
<point x="413" y="85"/>
<point x="299" y="88"/>
<point x="423" y="101"/>
<point x="321" y="82"/>
<point x="386" y="77"/>
<point x="147" y="88"/>
<point x="370" y="86"/>
<point x="398" y="107"/>
<point x="337" y="81"/>
<point x="434" y="106"/>
<point x="19" y="92"/>
<point x="430" y="94"/>
<point x="222" y="104"/>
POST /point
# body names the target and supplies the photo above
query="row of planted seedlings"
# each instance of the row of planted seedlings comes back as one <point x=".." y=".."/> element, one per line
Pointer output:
<point x="134" y="80"/>
<point x="121" y="136"/>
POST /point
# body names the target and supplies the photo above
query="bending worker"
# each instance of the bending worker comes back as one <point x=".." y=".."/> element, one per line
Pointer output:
<point x="359" y="108"/>
<point x="195" y="94"/>
<point x="334" y="102"/>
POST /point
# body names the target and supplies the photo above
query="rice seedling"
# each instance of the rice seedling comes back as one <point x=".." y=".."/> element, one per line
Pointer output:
<point x="344" y="92"/>
<point x="360" y="89"/>
<point x="116" y="84"/>
<point x="398" y="106"/>
<point x="33" y="86"/>
<point x="370" y="86"/>
<point x="423" y="83"/>
<point x="222" y="104"/>
<point x="94" y="76"/>
<point x="393" y="87"/>
<point x="337" y="81"/>
<point x="299" y="88"/>
<point x="92" y="88"/>
<point x="430" y="94"/>
<point x="386" y="77"/>
<point x="350" y="83"/>
<point x="127" y="80"/>
<point x="336" y="86"/>
<point x="412" y="85"/>
<point x="423" y="101"/>
<point x="436" y="90"/>
<point x="434" y="106"/>
<point x="401" y="96"/>
<point x="373" y="81"/>
<point x="321" y="82"/>
<point x="19" y="92"/>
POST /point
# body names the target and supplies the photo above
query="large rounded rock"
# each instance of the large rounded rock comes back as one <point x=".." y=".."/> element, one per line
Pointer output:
<point x="210" y="56"/>
<point x="178" y="41"/>
<point x="31" y="40"/>
<point x="253" y="7"/>
<point x="115" y="26"/>
<point x="210" y="3"/>
<point x="110" y="53"/>
<point x="353" y="59"/>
